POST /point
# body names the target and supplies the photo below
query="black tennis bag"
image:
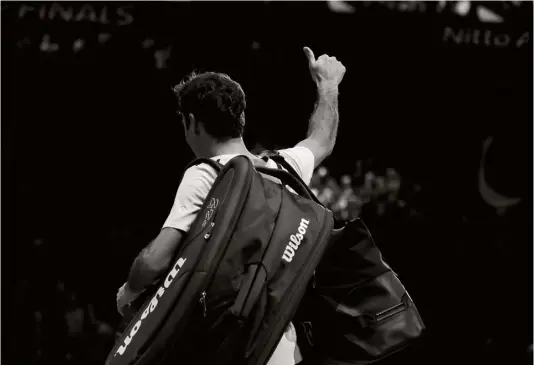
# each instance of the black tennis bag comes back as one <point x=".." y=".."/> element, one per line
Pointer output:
<point x="237" y="278"/>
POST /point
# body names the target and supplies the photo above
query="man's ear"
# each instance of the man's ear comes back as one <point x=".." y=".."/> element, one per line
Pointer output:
<point x="195" y="123"/>
<point x="184" y="123"/>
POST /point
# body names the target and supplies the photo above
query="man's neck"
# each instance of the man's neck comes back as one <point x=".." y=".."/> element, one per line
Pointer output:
<point x="235" y="146"/>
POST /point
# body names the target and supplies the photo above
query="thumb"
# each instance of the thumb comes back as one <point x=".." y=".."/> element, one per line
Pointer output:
<point x="309" y="55"/>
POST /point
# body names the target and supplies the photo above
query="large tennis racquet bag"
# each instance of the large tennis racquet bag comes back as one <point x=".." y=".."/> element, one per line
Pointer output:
<point x="237" y="278"/>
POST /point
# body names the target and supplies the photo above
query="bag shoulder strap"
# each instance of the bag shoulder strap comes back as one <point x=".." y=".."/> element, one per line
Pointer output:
<point x="281" y="161"/>
<point x="216" y="165"/>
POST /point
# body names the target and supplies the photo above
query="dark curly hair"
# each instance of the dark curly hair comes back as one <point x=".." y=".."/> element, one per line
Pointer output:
<point x="216" y="100"/>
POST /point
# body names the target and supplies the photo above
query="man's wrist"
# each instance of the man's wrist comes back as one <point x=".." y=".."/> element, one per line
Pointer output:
<point x="327" y="89"/>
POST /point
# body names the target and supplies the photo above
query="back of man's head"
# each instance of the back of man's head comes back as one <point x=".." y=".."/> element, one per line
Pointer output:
<point x="216" y="101"/>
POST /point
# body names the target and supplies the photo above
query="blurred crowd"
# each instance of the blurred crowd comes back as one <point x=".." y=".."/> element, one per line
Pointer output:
<point x="54" y="322"/>
<point x="369" y="191"/>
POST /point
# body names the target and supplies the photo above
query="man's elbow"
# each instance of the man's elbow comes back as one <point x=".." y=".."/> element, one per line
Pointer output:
<point x="322" y="151"/>
<point x="163" y="249"/>
<point x="156" y="264"/>
<point x="328" y="149"/>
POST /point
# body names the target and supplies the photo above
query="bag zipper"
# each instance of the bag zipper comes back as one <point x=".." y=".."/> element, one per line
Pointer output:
<point x="203" y="302"/>
<point x="202" y="299"/>
<point x="207" y="236"/>
<point x="387" y="313"/>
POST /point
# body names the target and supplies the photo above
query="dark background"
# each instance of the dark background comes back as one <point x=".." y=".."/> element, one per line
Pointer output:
<point x="92" y="152"/>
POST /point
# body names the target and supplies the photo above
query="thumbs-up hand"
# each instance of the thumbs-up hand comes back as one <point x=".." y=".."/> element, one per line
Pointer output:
<point x="327" y="72"/>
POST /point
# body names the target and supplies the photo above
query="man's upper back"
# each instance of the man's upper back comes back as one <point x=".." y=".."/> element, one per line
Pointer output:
<point x="197" y="181"/>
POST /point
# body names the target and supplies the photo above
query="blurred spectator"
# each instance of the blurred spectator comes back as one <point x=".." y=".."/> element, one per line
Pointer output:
<point x="328" y="188"/>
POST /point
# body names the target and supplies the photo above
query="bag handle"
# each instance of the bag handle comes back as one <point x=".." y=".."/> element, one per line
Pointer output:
<point x="287" y="179"/>
<point x="279" y="159"/>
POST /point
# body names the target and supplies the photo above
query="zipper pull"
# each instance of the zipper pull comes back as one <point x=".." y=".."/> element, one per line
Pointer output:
<point x="208" y="235"/>
<point x="203" y="302"/>
<point x="308" y="332"/>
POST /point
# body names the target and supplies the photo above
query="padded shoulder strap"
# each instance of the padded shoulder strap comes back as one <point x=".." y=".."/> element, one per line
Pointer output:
<point x="217" y="166"/>
<point x="281" y="161"/>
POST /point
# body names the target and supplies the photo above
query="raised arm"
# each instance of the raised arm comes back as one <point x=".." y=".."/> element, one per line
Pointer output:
<point x="327" y="72"/>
